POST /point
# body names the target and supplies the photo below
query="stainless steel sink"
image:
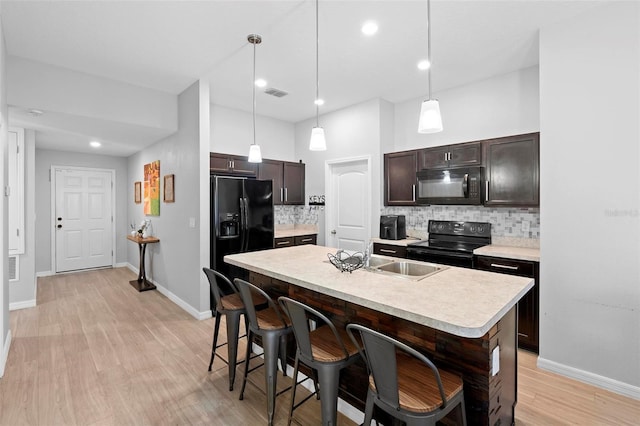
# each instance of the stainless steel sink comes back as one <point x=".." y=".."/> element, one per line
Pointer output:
<point x="375" y="261"/>
<point x="410" y="270"/>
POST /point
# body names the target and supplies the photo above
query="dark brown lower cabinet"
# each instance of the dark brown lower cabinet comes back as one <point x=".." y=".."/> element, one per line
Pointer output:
<point x="389" y="250"/>
<point x="528" y="307"/>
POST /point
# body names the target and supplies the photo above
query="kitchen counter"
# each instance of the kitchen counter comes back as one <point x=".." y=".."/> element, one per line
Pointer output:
<point x="286" y="231"/>
<point x="508" y="252"/>
<point x="463" y="302"/>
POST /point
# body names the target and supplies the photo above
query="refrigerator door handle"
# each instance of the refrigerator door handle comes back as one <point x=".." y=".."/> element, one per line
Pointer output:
<point x="242" y="228"/>
<point x="246" y="225"/>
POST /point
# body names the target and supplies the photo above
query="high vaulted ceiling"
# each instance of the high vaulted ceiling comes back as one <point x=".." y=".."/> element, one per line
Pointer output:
<point x="168" y="45"/>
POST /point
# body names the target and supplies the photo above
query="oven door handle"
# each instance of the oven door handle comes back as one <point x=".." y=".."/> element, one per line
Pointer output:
<point x="426" y="251"/>
<point x="465" y="185"/>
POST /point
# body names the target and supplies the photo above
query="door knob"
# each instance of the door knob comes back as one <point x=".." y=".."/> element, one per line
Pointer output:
<point x="59" y="226"/>
<point x="333" y="232"/>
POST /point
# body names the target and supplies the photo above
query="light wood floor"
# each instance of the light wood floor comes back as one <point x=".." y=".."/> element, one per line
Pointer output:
<point x="95" y="351"/>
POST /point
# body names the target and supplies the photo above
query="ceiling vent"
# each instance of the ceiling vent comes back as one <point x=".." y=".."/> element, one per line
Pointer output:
<point x="275" y="92"/>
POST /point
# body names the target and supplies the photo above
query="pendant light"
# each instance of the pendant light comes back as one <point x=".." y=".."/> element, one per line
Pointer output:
<point x="317" y="142"/>
<point x="255" y="156"/>
<point x="430" y="118"/>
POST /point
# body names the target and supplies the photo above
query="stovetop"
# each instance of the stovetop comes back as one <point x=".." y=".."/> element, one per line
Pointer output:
<point x="460" y="237"/>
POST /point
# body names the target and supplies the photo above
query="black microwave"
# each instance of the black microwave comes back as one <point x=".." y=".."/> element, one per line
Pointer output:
<point x="456" y="186"/>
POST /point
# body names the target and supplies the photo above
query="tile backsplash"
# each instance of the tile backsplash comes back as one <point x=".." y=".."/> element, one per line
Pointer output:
<point x="505" y="222"/>
<point x="288" y="215"/>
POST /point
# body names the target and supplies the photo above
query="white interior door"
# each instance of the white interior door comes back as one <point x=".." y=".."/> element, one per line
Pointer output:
<point x="349" y="205"/>
<point x="83" y="224"/>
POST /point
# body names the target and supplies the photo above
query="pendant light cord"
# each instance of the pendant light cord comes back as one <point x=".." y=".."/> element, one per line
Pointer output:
<point x="253" y="84"/>
<point x="429" y="44"/>
<point x="317" y="72"/>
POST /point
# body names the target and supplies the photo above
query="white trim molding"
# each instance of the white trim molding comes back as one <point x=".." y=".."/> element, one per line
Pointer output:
<point x="5" y="353"/>
<point x="22" y="305"/>
<point x="175" y="299"/>
<point x="590" y="378"/>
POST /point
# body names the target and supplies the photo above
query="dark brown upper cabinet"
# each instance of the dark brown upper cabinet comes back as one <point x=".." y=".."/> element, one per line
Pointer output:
<point x="288" y="180"/>
<point x="512" y="171"/>
<point x="400" y="178"/>
<point x="464" y="154"/>
<point x="225" y="164"/>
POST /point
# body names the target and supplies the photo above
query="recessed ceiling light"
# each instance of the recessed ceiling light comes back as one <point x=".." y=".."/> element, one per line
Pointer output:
<point x="423" y="65"/>
<point x="319" y="102"/>
<point x="95" y="144"/>
<point x="369" y="28"/>
<point x="261" y="82"/>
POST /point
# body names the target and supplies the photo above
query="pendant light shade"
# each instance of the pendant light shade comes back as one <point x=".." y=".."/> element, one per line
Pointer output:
<point x="430" y="119"/>
<point x="317" y="142"/>
<point x="255" y="155"/>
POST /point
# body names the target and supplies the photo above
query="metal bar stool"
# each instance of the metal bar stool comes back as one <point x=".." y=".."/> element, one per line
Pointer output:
<point x="325" y="349"/>
<point x="273" y="327"/>
<point x="404" y="383"/>
<point x="232" y="308"/>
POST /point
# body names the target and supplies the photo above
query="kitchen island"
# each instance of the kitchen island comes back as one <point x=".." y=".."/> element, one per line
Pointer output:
<point x="464" y="319"/>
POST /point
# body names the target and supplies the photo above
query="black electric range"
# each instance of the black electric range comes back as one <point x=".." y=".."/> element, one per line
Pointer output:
<point x="451" y="243"/>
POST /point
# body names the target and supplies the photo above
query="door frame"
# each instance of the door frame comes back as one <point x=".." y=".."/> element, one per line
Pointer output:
<point x="330" y="196"/>
<point x="52" y="210"/>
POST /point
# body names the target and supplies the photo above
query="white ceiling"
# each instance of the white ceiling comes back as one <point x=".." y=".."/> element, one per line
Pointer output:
<point x="167" y="45"/>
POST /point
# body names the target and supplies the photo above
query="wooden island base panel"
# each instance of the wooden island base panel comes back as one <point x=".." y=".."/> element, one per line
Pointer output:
<point x="474" y="336"/>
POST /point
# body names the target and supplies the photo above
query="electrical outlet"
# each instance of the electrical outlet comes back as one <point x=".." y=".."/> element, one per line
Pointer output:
<point x="525" y="226"/>
<point x="192" y="222"/>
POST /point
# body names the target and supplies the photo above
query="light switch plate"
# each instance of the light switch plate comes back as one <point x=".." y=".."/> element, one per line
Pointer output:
<point x="192" y="222"/>
<point x="495" y="361"/>
<point x="525" y="226"/>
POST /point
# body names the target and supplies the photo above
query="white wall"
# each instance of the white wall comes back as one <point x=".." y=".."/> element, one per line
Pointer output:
<point x="500" y="106"/>
<point x="590" y="189"/>
<point x="350" y="132"/>
<point x="22" y="293"/>
<point x="5" y="335"/>
<point x="51" y="88"/>
<point x="44" y="159"/>
<point x="174" y="263"/>
<point x="232" y="133"/>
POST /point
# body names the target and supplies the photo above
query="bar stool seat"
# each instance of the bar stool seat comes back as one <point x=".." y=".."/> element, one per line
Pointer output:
<point x="404" y="383"/>
<point x="326" y="349"/>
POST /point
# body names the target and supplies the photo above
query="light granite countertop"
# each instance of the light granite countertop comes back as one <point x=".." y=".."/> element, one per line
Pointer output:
<point x="460" y="301"/>
<point x="509" y="252"/>
<point x="285" y="231"/>
<point x="405" y="242"/>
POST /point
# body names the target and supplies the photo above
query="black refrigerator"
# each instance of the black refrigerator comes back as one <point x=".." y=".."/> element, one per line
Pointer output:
<point x="241" y="219"/>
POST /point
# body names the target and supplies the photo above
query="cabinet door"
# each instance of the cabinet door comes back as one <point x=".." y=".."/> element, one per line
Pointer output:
<point x="512" y="173"/>
<point x="242" y="166"/>
<point x="293" y="180"/>
<point x="434" y="158"/>
<point x="305" y="239"/>
<point x="465" y="154"/>
<point x="273" y="170"/>
<point x="400" y="178"/>
<point x="219" y="163"/>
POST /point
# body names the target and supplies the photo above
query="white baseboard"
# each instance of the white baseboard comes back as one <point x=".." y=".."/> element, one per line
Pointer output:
<point x="5" y="353"/>
<point x="121" y="265"/>
<point x="44" y="274"/>
<point x="590" y="378"/>
<point x="175" y="299"/>
<point x="22" y="305"/>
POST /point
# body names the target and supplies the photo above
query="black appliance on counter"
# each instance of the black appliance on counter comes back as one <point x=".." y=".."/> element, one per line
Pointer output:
<point x="451" y="243"/>
<point x="393" y="227"/>
<point x="455" y="186"/>
<point x="241" y="219"/>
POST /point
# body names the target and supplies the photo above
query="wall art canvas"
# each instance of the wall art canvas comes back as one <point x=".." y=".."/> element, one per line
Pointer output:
<point x="152" y="188"/>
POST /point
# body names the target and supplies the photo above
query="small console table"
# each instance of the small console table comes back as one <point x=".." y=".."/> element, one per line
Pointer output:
<point x="141" y="284"/>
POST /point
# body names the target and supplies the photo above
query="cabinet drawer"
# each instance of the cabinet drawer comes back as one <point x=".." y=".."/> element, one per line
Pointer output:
<point x="305" y="239"/>
<point x="389" y="250"/>
<point x="284" y="242"/>
<point x="506" y="266"/>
